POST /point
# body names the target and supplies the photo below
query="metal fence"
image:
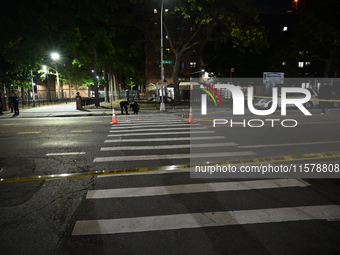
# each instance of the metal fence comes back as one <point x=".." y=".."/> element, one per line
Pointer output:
<point x="28" y="103"/>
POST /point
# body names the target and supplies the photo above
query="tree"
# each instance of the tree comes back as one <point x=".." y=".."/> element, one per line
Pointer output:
<point x="193" y="23"/>
<point x="317" y="31"/>
<point x="98" y="34"/>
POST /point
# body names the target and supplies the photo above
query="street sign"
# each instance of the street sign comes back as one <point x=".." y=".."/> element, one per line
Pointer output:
<point x="167" y="61"/>
<point x="273" y="78"/>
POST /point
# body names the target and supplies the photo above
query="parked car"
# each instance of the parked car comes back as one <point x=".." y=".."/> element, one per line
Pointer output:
<point x="266" y="103"/>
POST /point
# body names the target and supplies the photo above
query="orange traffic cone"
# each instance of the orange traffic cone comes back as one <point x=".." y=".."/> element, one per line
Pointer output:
<point x="191" y="118"/>
<point x="114" y="118"/>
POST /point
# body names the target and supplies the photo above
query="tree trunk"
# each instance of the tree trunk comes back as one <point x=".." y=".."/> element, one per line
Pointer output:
<point x="106" y="86"/>
<point x="95" y="80"/>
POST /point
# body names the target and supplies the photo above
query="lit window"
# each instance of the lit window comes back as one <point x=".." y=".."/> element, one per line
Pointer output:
<point x="155" y="24"/>
<point x="301" y="64"/>
<point x="182" y="64"/>
<point x="167" y="37"/>
<point x="301" y="53"/>
<point x="167" y="50"/>
<point x="285" y="28"/>
<point x="155" y="11"/>
<point x="193" y="64"/>
<point x="284" y="63"/>
<point x="166" y="10"/>
<point x="307" y="63"/>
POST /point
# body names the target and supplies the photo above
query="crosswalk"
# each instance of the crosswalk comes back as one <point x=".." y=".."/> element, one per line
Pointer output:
<point x="162" y="138"/>
<point x="174" y="201"/>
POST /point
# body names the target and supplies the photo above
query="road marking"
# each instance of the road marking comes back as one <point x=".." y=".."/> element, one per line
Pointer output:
<point x="157" y="129"/>
<point x="165" y="139"/>
<point x="194" y="188"/>
<point x="10" y="124"/>
<point x="285" y="144"/>
<point x="163" y="147"/>
<point x="81" y="131"/>
<point x="27" y="133"/>
<point x="152" y="126"/>
<point x="166" y="133"/>
<point x="174" y="156"/>
<point x="65" y="153"/>
<point x="138" y="122"/>
<point x="207" y="219"/>
<point x="94" y="121"/>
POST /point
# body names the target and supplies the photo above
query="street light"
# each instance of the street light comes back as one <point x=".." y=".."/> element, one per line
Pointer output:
<point x="162" y="106"/>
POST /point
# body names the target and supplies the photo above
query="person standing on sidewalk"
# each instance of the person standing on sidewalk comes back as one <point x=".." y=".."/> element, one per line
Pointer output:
<point x="16" y="104"/>
<point x="10" y="101"/>
<point x="325" y="92"/>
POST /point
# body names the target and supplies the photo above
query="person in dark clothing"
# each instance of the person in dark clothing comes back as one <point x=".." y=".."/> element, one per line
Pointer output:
<point x="124" y="107"/>
<point x="16" y="104"/>
<point x="325" y="92"/>
<point x="134" y="107"/>
<point x="10" y="100"/>
<point x="1" y="102"/>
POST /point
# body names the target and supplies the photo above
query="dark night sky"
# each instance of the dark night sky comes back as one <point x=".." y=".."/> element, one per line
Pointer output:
<point x="273" y="5"/>
<point x="262" y="5"/>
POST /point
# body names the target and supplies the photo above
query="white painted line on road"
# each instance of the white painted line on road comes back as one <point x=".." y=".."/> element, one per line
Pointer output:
<point x="65" y="153"/>
<point x="81" y="131"/>
<point x="194" y="188"/>
<point x="163" y="147"/>
<point x="139" y="122"/>
<point x="153" y="126"/>
<point x="157" y="129"/>
<point x="165" y="139"/>
<point x="208" y="219"/>
<point x="174" y="156"/>
<point x="165" y="133"/>
<point x="285" y="144"/>
<point x="28" y="133"/>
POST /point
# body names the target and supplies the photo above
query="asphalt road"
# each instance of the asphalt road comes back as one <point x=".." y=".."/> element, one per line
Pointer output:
<point x="164" y="212"/>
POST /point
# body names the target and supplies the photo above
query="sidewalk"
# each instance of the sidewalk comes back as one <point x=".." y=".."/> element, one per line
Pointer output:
<point x="68" y="110"/>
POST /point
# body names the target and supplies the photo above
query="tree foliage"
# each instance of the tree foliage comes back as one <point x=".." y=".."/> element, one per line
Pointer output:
<point x="198" y="22"/>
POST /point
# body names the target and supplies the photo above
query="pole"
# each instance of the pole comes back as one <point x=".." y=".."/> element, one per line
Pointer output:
<point x="162" y="106"/>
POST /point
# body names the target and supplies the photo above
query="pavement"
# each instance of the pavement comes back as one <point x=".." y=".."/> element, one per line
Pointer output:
<point x="69" y="110"/>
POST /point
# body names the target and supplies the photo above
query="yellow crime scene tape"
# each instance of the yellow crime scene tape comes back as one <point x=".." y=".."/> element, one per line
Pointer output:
<point x="296" y="157"/>
<point x="320" y="100"/>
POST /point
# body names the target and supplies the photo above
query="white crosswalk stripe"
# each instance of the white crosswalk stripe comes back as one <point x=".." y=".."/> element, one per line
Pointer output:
<point x="164" y="147"/>
<point x="156" y="129"/>
<point x="194" y="188"/>
<point x="210" y="219"/>
<point x="166" y="133"/>
<point x="167" y="139"/>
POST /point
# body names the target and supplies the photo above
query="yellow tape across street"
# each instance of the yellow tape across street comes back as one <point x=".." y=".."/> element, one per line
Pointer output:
<point x="296" y="157"/>
<point x="320" y="100"/>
